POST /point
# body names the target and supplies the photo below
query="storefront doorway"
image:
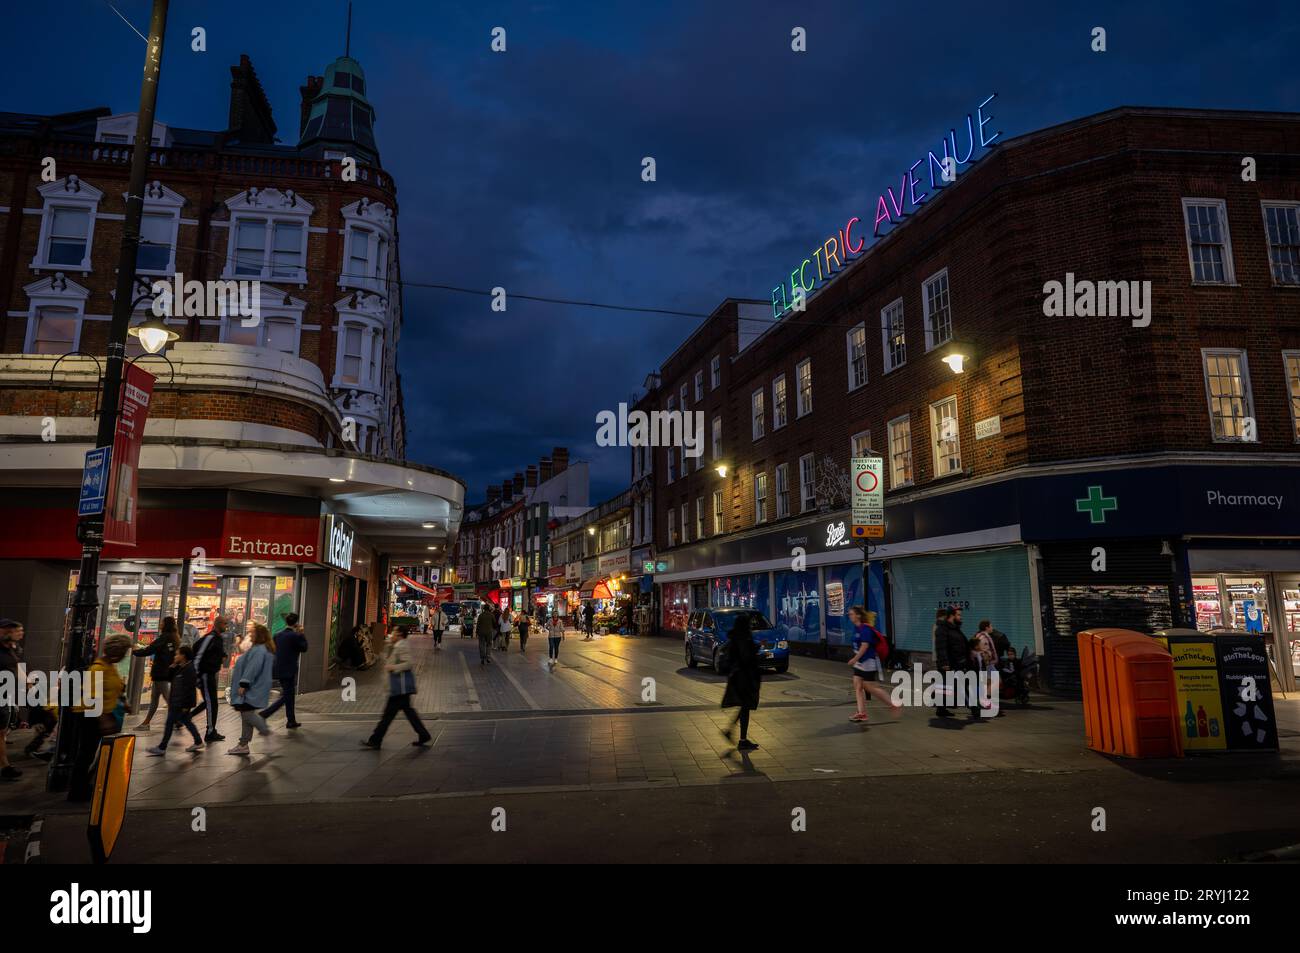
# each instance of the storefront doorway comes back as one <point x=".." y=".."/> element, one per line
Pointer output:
<point x="1264" y="602"/>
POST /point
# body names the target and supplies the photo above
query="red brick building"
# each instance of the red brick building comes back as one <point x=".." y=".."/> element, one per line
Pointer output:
<point x="1169" y="439"/>
<point x="282" y="432"/>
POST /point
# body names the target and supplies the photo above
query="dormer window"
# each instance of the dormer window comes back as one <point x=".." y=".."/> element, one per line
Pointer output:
<point x="67" y="225"/>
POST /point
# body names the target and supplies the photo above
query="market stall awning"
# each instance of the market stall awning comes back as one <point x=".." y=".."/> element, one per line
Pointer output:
<point x="596" y="587"/>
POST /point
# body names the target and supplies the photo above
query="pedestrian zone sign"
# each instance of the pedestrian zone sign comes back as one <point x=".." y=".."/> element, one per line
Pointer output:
<point x="868" y="497"/>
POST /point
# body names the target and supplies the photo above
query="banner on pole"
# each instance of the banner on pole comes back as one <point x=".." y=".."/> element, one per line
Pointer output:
<point x="120" y="517"/>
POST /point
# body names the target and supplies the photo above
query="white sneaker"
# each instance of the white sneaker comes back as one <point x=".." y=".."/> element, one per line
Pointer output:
<point x="238" y="749"/>
<point x="195" y="748"/>
<point x="155" y="752"/>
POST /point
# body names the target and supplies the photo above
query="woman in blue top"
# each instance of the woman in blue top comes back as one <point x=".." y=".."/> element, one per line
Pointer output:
<point x="251" y="686"/>
<point x="866" y="665"/>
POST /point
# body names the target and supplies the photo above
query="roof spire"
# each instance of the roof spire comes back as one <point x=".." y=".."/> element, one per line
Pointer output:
<point x="347" y="45"/>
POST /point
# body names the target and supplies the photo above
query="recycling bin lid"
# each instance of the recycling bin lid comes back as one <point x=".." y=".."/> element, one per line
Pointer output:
<point x="1166" y="632"/>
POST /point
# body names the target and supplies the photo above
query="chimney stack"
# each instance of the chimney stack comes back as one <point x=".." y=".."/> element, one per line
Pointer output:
<point x="530" y="477"/>
<point x="560" y="456"/>
<point x="507" y="489"/>
<point x="547" y="469"/>
<point x="493" y="494"/>
<point x="519" y="484"/>
<point x="308" y="93"/>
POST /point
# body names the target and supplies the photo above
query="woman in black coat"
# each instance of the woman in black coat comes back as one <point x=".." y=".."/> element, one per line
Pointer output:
<point x="743" y="680"/>
<point x="162" y="650"/>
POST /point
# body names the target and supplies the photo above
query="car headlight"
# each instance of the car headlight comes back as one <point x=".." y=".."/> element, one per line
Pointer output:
<point x="783" y="644"/>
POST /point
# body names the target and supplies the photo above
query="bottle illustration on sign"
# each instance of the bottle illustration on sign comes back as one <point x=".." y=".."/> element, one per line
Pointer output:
<point x="1214" y="727"/>
<point x="1190" y="719"/>
<point x="1202" y="722"/>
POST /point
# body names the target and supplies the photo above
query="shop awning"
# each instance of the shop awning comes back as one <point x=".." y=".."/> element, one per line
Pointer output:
<point x="419" y="587"/>
<point x="595" y="587"/>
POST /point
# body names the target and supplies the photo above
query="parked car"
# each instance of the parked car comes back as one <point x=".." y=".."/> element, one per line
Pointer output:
<point x="453" y="612"/>
<point x="706" y="638"/>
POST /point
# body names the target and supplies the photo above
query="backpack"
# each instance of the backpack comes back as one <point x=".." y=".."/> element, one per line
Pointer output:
<point x="882" y="644"/>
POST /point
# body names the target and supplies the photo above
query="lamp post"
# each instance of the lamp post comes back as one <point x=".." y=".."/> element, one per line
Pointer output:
<point x="78" y="736"/>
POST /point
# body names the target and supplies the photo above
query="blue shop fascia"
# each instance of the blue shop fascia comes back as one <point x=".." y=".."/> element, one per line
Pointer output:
<point x="1145" y="545"/>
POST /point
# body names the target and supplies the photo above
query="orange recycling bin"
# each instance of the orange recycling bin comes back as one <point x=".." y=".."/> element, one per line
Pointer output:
<point x="1129" y="699"/>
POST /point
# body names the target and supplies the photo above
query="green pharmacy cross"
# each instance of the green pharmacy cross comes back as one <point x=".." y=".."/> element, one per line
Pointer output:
<point x="1096" y="505"/>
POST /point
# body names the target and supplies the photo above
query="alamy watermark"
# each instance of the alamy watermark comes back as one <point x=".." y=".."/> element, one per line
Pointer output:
<point x="63" y="688"/>
<point x="655" y="428"/>
<point x="936" y="689"/>
<point x="1100" y="299"/>
<point x="176" y="297"/>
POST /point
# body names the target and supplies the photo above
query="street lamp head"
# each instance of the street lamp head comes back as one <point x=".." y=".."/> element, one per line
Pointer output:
<point x="722" y="469"/>
<point x="955" y="361"/>
<point x="153" y="335"/>
<point x="957" y="355"/>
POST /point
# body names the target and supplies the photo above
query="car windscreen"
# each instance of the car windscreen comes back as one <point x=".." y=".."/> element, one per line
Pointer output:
<point x="757" y="622"/>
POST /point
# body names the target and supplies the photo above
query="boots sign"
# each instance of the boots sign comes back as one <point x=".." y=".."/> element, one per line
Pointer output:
<point x="339" y="537"/>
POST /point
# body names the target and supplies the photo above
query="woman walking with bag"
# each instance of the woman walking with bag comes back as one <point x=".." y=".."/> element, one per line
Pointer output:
<point x="162" y="650"/>
<point x="743" y="680"/>
<point x="251" y="685"/>
<point x="865" y="665"/>
<point x="554" y="636"/>
<point x="401" y="686"/>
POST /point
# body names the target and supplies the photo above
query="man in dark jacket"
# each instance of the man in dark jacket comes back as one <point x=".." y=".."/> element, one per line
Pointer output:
<point x="952" y="654"/>
<point x="209" y="656"/>
<point x="290" y="643"/>
<point x="744" y="677"/>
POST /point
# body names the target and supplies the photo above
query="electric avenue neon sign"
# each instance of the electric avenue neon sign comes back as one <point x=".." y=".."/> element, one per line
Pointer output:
<point x="835" y="252"/>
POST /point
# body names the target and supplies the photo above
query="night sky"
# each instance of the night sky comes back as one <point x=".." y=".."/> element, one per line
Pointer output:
<point x="523" y="169"/>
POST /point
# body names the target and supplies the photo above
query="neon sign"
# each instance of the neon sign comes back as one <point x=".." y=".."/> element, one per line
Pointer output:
<point x="835" y="253"/>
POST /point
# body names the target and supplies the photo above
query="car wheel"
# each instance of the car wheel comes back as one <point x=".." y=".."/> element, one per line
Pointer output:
<point x="718" y="665"/>
<point x="690" y="657"/>
<point x="782" y="667"/>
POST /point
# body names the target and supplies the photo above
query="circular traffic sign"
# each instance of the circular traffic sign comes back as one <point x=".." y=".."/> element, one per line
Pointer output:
<point x="871" y="475"/>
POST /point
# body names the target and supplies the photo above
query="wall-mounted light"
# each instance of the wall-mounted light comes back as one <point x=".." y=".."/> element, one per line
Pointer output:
<point x="722" y="469"/>
<point x="957" y="355"/>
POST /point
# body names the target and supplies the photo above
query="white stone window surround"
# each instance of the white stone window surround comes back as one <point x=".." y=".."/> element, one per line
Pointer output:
<point x="69" y="192"/>
<point x="366" y="312"/>
<point x="269" y="206"/>
<point x="160" y="200"/>
<point x="377" y="221"/>
<point x="54" y="291"/>
<point x="273" y="307"/>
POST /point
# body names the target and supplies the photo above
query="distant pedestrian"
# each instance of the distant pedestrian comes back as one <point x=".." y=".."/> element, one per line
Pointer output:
<point x="554" y="636"/>
<point x="180" y="699"/>
<point x="507" y="627"/>
<point x="589" y="621"/>
<point x="524" y="622"/>
<point x="162" y="650"/>
<point x="209" y="656"/>
<point x="1001" y="644"/>
<point x="401" y="686"/>
<point x="290" y="643"/>
<point x="743" y="680"/>
<point x="865" y="664"/>
<point x="250" y="683"/>
<point x="11" y="656"/>
<point x="485" y="628"/>
<point x="439" y="623"/>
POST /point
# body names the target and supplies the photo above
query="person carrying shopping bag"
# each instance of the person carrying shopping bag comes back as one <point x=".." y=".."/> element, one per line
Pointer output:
<point x="401" y="686"/>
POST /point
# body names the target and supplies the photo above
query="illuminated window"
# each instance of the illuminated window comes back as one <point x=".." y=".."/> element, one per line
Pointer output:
<point x="1227" y="387"/>
<point x="860" y="444"/>
<point x="900" y="451"/>
<point x="760" y="497"/>
<point x="803" y="378"/>
<point x="807" y="484"/>
<point x="856" y="344"/>
<point x="717" y="513"/>
<point x="717" y="438"/>
<point x="946" y="436"/>
<point x="894" y="336"/>
<point x="756" y="413"/>
<point x="54" y="331"/>
<point x="778" y="403"/>
<point x="1208" y="246"/>
<point x="938" y="312"/>
<point x="699" y="517"/>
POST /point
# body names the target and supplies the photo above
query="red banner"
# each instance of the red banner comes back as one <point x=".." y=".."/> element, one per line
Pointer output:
<point x="123" y="484"/>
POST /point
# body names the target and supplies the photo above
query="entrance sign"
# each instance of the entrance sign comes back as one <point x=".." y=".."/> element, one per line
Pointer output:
<point x="868" y="497"/>
<point x="94" y="482"/>
<point x="120" y="517"/>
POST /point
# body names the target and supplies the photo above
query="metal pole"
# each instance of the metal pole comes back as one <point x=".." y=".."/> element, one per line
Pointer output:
<point x="78" y="736"/>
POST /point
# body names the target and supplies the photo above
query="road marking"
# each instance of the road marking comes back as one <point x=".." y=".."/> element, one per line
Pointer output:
<point x="532" y="702"/>
<point x="472" y="701"/>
